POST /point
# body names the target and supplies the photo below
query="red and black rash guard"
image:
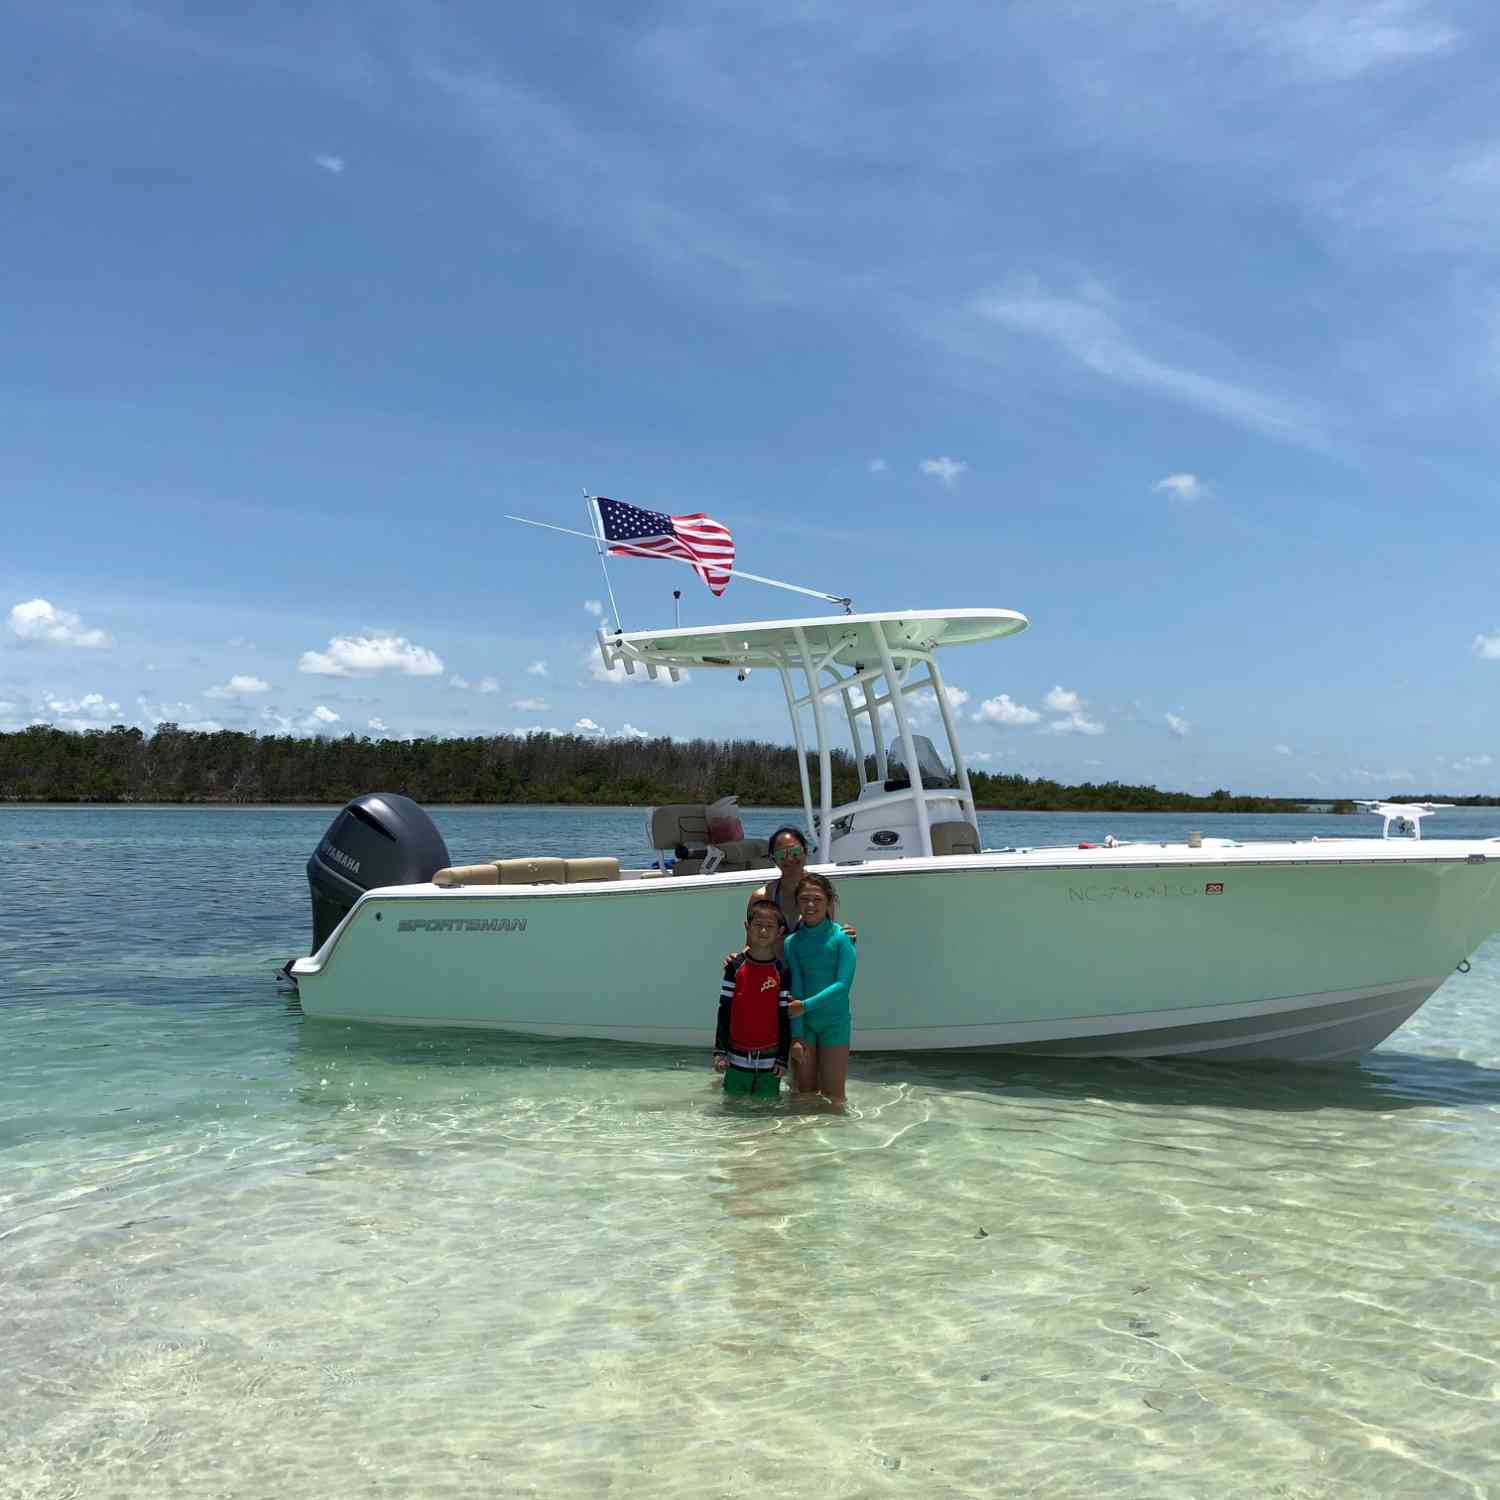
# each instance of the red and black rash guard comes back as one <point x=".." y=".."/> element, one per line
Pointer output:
<point x="754" y="1029"/>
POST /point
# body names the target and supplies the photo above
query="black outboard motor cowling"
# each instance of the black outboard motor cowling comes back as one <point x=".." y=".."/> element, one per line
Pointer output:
<point x="378" y="839"/>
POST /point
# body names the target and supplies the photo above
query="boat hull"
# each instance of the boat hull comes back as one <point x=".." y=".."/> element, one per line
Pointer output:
<point x="1312" y="953"/>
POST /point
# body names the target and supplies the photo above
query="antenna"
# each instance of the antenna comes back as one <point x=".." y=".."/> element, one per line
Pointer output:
<point x="609" y="588"/>
<point x="677" y="606"/>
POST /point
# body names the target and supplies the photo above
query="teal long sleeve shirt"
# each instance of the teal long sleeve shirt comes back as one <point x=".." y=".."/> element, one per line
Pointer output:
<point x="822" y="961"/>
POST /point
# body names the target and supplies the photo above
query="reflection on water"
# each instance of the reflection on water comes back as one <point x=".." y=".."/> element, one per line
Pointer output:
<point x="240" y="1252"/>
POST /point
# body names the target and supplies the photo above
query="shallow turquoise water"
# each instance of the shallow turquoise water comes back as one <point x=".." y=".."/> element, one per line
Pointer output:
<point x="241" y="1252"/>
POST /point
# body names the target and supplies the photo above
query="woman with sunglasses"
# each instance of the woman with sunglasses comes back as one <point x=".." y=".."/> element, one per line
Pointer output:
<point x="788" y="849"/>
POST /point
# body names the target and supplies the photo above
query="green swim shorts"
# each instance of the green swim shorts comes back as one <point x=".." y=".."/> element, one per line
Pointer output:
<point x="827" y="1031"/>
<point x="758" y="1083"/>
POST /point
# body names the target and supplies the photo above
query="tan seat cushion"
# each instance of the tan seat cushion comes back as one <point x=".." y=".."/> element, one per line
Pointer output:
<point x="468" y="875"/>
<point x="533" y="871"/>
<point x="677" y="823"/>
<point x="591" y="869"/>
<point x="745" y="854"/>
<point x="955" y="838"/>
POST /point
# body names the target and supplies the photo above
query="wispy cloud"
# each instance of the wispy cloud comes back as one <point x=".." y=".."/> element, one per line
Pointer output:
<point x="1487" y="647"/>
<point x="366" y="655"/>
<point x="1177" y="725"/>
<point x="38" y="622"/>
<point x="1383" y="778"/>
<point x="1471" y="762"/>
<point x="1086" y="328"/>
<point x="949" y="470"/>
<point x="595" y="607"/>
<point x="531" y="705"/>
<point x="1074" y="720"/>
<point x="1282" y="749"/>
<point x="877" y="466"/>
<point x="1181" y="486"/>
<point x="537" y="669"/>
<point x="94" y="707"/>
<point x="330" y="163"/>
<point x="489" y="684"/>
<point x="1343" y="39"/>
<point x="241" y="685"/>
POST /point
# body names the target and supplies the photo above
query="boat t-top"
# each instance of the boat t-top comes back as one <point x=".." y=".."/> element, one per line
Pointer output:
<point x="1314" y="950"/>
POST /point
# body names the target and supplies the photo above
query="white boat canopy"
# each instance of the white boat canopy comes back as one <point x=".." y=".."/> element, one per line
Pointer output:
<point x="864" y="663"/>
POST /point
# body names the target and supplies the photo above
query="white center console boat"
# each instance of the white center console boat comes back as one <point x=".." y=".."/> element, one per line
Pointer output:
<point x="1313" y="950"/>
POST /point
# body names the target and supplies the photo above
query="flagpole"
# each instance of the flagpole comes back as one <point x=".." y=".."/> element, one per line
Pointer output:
<point x="776" y="583"/>
<point x="593" y="514"/>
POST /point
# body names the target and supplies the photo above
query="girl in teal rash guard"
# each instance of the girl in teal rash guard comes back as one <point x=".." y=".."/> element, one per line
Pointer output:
<point x="822" y="961"/>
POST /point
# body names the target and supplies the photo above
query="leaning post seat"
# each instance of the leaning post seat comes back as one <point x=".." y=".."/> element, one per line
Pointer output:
<point x="682" y="826"/>
<point x="955" y="838"/>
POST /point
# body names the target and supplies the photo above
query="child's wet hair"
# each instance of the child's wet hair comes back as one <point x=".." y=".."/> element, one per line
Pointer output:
<point x="824" y="884"/>
<point x="765" y="904"/>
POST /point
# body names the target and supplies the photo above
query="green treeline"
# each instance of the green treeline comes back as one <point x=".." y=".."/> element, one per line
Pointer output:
<point x="42" y="764"/>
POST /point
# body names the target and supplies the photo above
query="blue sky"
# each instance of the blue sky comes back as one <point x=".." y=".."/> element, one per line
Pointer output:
<point x="1175" y="326"/>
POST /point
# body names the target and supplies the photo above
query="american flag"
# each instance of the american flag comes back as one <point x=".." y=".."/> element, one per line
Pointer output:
<point x="698" y="539"/>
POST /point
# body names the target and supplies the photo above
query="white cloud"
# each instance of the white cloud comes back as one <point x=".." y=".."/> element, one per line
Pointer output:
<point x="241" y="685"/>
<point x="922" y="706"/>
<point x="1385" y="778"/>
<point x="6" y="706"/>
<point x="628" y="731"/>
<point x="538" y="669"/>
<point x="459" y="682"/>
<point x="330" y="163"/>
<point x="531" y="705"/>
<point x="595" y="607"/>
<point x="1061" y="700"/>
<point x="38" y="621"/>
<point x="1487" y="647"/>
<point x="1002" y="711"/>
<point x="489" y="684"/>
<point x="1472" y="762"/>
<point x="1177" y="725"/>
<point x="1075" y="724"/>
<point x="587" y="726"/>
<point x="165" y="713"/>
<point x="1342" y="40"/>
<point x="379" y="726"/>
<point x="949" y="470"/>
<point x="1085" y="328"/>
<point x="92" y="706"/>
<point x="1282" y="749"/>
<point x="318" y="720"/>
<point x="364" y="655"/>
<point x="1181" y="486"/>
<point x="877" y="466"/>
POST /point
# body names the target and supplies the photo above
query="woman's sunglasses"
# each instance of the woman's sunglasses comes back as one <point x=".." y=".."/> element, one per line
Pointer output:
<point x="782" y="855"/>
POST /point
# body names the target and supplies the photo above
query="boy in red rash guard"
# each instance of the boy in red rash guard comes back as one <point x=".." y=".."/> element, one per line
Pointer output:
<point x="753" y="1039"/>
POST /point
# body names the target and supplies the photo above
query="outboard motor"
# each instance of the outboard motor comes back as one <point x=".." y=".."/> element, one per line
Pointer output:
<point x="378" y="839"/>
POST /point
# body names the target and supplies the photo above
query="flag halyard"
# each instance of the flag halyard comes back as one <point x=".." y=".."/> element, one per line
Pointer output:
<point x="697" y="538"/>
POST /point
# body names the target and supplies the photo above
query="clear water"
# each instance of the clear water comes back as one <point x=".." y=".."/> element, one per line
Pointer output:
<point x="242" y="1254"/>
